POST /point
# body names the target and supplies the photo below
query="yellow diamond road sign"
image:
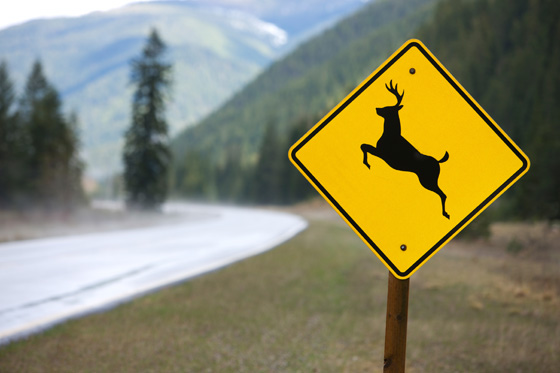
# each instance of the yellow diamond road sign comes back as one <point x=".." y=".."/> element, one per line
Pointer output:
<point x="408" y="159"/>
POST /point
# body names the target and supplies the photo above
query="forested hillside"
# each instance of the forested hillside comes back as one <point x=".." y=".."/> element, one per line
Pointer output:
<point x="505" y="53"/>
<point x="293" y="92"/>
<point x="307" y="82"/>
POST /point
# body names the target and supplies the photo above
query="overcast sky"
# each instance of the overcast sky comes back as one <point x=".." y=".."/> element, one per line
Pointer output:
<point x="19" y="11"/>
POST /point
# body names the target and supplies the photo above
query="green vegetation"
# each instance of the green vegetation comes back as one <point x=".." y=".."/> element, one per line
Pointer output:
<point x="299" y="89"/>
<point x="146" y="153"/>
<point x="39" y="164"/>
<point x="9" y="142"/>
<point x="505" y="53"/>
<point x="317" y="303"/>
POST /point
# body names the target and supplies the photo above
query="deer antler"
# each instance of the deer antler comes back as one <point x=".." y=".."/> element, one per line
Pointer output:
<point x="395" y="92"/>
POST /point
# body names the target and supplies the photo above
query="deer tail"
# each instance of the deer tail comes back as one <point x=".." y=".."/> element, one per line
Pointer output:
<point x="445" y="158"/>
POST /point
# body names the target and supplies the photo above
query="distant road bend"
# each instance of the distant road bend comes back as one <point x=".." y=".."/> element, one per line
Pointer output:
<point x="47" y="281"/>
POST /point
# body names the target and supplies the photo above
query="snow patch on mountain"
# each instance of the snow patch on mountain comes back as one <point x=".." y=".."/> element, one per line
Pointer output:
<point x="249" y="23"/>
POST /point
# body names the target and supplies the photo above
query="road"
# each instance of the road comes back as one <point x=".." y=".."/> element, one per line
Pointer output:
<point x="47" y="281"/>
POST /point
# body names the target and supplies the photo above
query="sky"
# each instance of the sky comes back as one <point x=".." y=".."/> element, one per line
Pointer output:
<point x="19" y="11"/>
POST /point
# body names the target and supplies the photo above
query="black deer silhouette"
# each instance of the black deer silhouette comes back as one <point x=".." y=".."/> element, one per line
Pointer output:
<point x="399" y="154"/>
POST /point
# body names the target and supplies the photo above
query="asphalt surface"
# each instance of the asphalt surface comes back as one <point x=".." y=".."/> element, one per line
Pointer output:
<point x="44" y="282"/>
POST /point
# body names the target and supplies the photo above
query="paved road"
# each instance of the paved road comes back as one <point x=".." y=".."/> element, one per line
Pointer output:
<point x="44" y="282"/>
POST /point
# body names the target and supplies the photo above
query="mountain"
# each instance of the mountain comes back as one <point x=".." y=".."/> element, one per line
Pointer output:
<point x="504" y="52"/>
<point x="307" y="82"/>
<point x="216" y="47"/>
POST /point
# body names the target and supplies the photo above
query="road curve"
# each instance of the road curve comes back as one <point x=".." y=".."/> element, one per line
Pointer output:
<point x="47" y="281"/>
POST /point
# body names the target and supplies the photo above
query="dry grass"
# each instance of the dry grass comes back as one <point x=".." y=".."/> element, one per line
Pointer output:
<point x="317" y="303"/>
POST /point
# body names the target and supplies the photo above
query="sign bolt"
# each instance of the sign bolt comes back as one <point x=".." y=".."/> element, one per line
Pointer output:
<point x="412" y="70"/>
<point x="403" y="247"/>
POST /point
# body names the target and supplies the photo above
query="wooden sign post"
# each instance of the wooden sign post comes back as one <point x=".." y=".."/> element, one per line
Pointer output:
<point x="408" y="173"/>
<point x="395" y="325"/>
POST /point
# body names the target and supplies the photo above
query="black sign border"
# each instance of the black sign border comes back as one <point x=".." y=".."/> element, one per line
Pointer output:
<point x="460" y="225"/>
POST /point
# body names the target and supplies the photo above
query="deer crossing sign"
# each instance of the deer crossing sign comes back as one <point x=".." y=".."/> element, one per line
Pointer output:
<point x="408" y="159"/>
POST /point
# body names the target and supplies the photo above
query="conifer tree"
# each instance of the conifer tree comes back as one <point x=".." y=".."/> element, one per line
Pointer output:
<point x="146" y="151"/>
<point x="8" y="138"/>
<point x="295" y="185"/>
<point x="266" y="181"/>
<point x="53" y="168"/>
<point x="193" y="176"/>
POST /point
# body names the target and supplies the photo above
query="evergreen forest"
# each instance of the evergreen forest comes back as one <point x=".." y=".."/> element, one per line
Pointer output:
<point x="40" y="166"/>
<point x="291" y="95"/>
<point x="507" y="55"/>
<point x="504" y="52"/>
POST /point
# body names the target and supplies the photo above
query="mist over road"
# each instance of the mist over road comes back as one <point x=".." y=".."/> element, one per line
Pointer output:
<point x="46" y="281"/>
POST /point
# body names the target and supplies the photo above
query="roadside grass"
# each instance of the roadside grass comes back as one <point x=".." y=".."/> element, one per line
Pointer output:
<point x="317" y="304"/>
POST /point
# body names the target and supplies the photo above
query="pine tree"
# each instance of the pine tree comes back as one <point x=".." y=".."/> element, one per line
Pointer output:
<point x="8" y="139"/>
<point x="267" y="178"/>
<point x="146" y="151"/>
<point x="53" y="177"/>
<point x="295" y="185"/>
<point x="31" y="111"/>
<point x="230" y="176"/>
<point x="194" y="177"/>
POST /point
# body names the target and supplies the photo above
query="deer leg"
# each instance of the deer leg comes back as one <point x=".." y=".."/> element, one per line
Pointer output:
<point x="367" y="148"/>
<point x="430" y="182"/>
<point x="443" y="198"/>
